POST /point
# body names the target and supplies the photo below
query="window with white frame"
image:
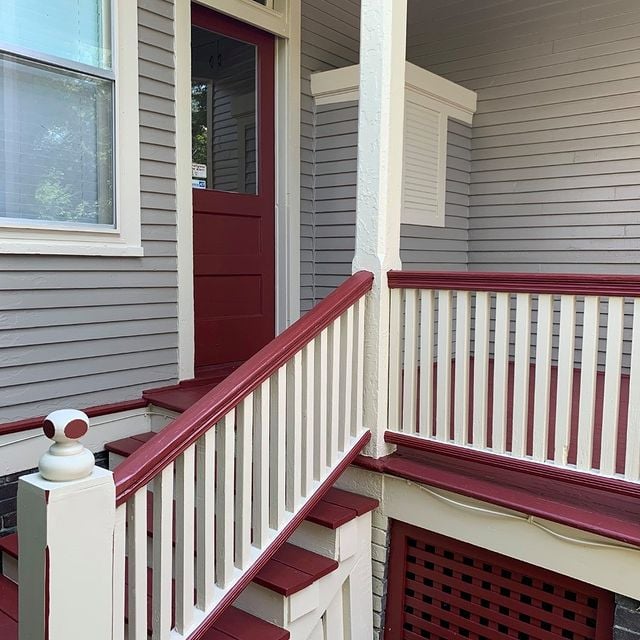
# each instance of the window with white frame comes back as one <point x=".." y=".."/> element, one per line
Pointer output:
<point x="58" y="129"/>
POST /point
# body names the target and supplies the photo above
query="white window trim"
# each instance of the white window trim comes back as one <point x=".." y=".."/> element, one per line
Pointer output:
<point x="125" y="238"/>
<point x="282" y="20"/>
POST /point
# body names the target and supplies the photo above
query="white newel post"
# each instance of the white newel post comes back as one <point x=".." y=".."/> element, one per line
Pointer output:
<point x="66" y="518"/>
<point x="379" y="201"/>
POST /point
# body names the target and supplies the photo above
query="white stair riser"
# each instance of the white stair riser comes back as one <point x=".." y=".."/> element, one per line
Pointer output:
<point x="10" y="567"/>
<point x="338" y="544"/>
<point x="308" y="614"/>
<point x="274" y="607"/>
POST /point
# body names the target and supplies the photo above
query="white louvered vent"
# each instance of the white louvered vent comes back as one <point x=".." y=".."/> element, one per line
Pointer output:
<point x="430" y="101"/>
<point x="425" y="155"/>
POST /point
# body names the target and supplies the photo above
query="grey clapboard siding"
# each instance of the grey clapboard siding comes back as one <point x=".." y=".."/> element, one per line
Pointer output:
<point x="422" y="248"/>
<point x="330" y="39"/>
<point x="81" y="331"/>
<point x="556" y="140"/>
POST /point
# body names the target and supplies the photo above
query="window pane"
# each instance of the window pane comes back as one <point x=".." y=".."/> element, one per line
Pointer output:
<point x="77" y="30"/>
<point x="223" y="103"/>
<point x="56" y="136"/>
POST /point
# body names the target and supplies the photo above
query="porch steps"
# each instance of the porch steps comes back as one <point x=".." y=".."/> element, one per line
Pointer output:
<point x="297" y="581"/>
<point x="233" y="624"/>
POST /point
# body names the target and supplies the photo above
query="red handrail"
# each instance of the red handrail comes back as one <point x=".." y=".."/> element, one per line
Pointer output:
<point x="156" y="454"/>
<point x="578" y="284"/>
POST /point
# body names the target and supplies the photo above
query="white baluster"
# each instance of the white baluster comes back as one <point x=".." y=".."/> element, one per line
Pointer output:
<point x="205" y="519"/>
<point x="357" y="422"/>
<point x="320" y="420"/>
<point x="463" y="355"/>
<point x="277" y="449"/>
<point x="261" y="446"/>
<point x="544" y="332"/>
<point x="632" y="456"/>
<point x="308" y="418"/>
<point x="119" y="571"/>
<point x="501" y="372"/>
<point x="426" y="363"/>
<point x="481" y="371"/>
<point x="162" y="554"/>
<point x="564" y="399"/>
<point x="395" y="370"/>
<point x="294" y="433"/>
<point x="612" y="371"/>
<point x="347" y="379"/>
<point x="244" y="468"/>
<point x="334" y="393"/>
<point x="591" y="327"/>
<point x="137" y="552"/>
<point x="521" y="375"/>
<point x="410" y="369"/>
<point x="185" y="538"/>
<point x="443" y="387"/>
<point x="225" y="474"/>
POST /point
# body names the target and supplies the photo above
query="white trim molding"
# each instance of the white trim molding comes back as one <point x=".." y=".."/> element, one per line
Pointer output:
<point x="584" y="556"/>
<point x="429" y="102"/>
<point x="125" y="238"/>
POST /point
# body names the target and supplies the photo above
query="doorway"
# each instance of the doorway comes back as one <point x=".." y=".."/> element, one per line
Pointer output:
<point x="233" y="187"/>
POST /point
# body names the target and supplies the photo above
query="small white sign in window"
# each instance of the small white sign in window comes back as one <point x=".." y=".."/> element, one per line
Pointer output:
<point x="198" y="170"/>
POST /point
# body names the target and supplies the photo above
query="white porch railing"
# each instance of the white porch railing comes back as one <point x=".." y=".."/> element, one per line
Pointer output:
<point x="537" y="367"/>
<point x="201" y="507"/>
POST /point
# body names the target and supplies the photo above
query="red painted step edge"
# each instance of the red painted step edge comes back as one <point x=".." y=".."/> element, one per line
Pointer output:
<point x="292" y="569"/>
<point x="143" y="465"/>
<point x="237" y="624"/>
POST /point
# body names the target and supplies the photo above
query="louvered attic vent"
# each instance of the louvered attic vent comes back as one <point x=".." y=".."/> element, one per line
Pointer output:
<point x="440" y="589"/>
<point x="429" y="102"/>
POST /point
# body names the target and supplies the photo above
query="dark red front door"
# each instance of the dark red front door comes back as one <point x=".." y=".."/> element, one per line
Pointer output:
<point x="233" y="189"/>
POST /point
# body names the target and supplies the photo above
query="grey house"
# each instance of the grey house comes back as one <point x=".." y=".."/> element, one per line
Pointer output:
<point x="184" y="186"/>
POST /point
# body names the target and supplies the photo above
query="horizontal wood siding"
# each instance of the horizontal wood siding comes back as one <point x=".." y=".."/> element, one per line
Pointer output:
<point x="82" y="331"/>
<point x="330" y="40"/>
<point x="422" y="248"/>
<point x="556" y="139"/>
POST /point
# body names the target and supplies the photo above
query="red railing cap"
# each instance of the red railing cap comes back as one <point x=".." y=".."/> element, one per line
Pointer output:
<point x="159" y="452"/>
<point x="579" y="284"/>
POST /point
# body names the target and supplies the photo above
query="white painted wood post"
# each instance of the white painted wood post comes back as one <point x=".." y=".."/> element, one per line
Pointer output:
<point x="379" y="202"/>
<point x="66" y="521"/>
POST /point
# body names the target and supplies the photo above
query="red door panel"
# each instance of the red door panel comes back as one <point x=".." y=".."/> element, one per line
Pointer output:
<point x="234" y="231"/>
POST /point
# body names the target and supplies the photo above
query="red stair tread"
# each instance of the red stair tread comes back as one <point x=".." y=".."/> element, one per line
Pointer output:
<point x="239" y="625"/>
<point x="126" y="446"/>
<point x="9" y="545"/>
<point x="180" y="398"/>
<point x="8" y="627"/>
<point x="308" y="562"/>
<point x="360" y="504"/>
<point x="8" y="598"/>
<point x="330" y="515"/>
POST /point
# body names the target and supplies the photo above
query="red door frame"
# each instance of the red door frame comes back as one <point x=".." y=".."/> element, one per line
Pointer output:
<point x="264" y="200"/>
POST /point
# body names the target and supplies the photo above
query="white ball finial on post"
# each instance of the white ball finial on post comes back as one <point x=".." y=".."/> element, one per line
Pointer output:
<point x="67" y="459"/>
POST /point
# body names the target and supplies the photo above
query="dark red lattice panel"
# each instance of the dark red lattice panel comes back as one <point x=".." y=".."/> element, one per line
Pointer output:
<point x="440" y="588"/>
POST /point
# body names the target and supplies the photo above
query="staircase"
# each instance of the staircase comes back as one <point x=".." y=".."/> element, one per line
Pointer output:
<point x="222" y="525"/>
<point x="301" y="593"/>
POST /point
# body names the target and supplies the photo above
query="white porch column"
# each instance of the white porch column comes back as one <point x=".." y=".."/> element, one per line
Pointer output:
<point x="66" y="519"/>
<point x="380" y="147"/>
